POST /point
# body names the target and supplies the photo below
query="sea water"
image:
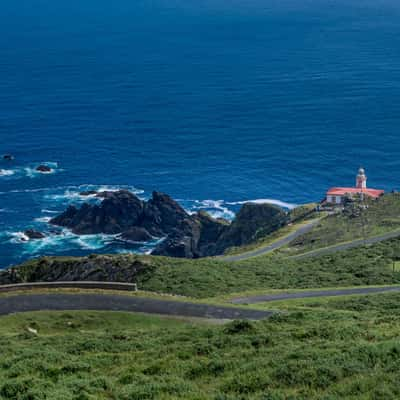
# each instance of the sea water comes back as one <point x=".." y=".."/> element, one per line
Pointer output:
<point x="215" y="102"/>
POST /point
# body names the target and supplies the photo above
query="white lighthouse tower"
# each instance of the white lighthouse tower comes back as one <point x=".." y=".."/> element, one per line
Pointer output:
<point x="361" y="181"/>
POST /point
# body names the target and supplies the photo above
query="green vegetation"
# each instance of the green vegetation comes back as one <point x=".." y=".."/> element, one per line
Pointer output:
<point x="303" y="212"/>
<point x="208" y="278"/>
<point x="381" y="216"/>
<point x="323" y="349"/>
<point x="296" y="218"/>
<point x="204" y="278"/>
<point x="267" y="240"/>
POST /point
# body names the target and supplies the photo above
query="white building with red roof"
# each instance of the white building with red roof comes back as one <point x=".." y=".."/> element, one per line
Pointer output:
<point x="337" y="195"/>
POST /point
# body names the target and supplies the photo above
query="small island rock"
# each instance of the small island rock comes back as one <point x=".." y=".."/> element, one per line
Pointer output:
<point x="43" y="168"/>
<point x="31" y="234"/>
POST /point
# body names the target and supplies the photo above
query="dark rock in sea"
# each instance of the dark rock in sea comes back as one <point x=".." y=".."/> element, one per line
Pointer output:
<point x="189" y="236"/>
<point x="31" y="234"/>
<point x="162" y="214"/>
<point x="43" y="168"/>
<point x="104" y="194"/>
<point x="86" y="193"/>
<point x="195" y="237"/>
<point x="116" y="214"/>
<point x="136" y="234"/>
<point x="116" y="268"/>
<point x="252" y="222"/>
<point x="8" y="157"/>
<point x="205" y="236"/>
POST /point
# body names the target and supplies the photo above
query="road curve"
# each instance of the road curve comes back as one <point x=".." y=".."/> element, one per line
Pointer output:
<point x="99" y="302"/>
<point x="273" y="246"/>
<point x="313" y="293"/>
<point x="347" y="246"/>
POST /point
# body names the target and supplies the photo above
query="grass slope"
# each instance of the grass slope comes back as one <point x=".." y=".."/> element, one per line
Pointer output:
<point x="208" y="278"/>
<point x="328" y="349"/>
<point x="382" y="216"/>
<point x="204" y="278"/>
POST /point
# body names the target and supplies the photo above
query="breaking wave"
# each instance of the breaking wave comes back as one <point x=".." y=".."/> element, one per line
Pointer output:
<point x="60" y="242"/>
<point x="74" y="193"/>
<point x="216" y="208"/>
<point x="283" y="204"/>
<point x="28" y="171"/>
<point x="6" y="172"/>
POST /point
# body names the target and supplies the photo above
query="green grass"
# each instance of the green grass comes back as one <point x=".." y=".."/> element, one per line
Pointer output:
<point x="205" y="278"/>
<point x="382" y="216"/>
<point x="209" y="278"/>
<point x="268" y="240"/>
<point x="342" y="348"/>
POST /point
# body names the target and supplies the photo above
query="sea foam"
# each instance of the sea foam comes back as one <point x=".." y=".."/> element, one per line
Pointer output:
<point x="283" y="204"/>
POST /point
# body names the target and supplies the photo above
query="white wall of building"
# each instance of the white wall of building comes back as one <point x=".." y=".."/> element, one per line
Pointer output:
<point x="334" y="199"/>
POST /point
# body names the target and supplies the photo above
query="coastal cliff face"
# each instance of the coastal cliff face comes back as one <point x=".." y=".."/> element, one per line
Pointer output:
<point x="190" y="236"/>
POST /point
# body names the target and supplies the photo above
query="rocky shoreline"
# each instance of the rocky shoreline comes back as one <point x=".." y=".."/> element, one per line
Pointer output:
<point x="185" y="235"/>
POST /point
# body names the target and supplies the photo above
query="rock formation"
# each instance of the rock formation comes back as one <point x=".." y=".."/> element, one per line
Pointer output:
<point x="43" y="169"/>
<point x="136" y="234"/>
<point x="31" y="234"/>
<point x="190" y="236"/>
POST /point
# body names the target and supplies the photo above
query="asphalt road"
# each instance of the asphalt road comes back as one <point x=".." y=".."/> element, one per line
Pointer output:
<point x="273" y="246"/>
<point x="313" y="293"/>
<point x="347" y="246"/>
<point x="106" y="302"/>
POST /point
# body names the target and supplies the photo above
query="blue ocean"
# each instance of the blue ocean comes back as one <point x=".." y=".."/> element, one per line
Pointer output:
<point x="214" y="102"/>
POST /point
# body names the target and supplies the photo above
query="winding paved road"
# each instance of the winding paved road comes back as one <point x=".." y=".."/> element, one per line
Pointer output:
<point x="347" y="246"/>
<point x="313" y="293"/>
<point x="106" y="302"/>
<point x="273" y="246"/>
<point x="314" y="253"/>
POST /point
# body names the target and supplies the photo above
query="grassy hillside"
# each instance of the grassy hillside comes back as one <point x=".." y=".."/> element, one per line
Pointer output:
<point x="381" y="216"/>
<point x="207" y="278"/>
<point x="328" y="349"/>
<point x="204" y="278"/>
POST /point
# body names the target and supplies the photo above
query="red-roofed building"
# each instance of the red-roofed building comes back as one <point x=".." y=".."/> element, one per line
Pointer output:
<point x="337" y="195"/>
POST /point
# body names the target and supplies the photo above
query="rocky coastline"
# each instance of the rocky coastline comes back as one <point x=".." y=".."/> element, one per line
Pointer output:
<point x="184" y="235"/>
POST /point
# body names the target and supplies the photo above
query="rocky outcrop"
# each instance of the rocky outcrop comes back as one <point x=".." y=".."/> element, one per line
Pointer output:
<point x="194" y="238"/>
<point x="31" y="234"/>
<point x="136" y="234"/>
<point x="116" y="214"/>
<point x="252" y="222"/>
<point x="43" y="168"/>
<point x="116" y="268"/>
<point x="87" y="193"/>
<point x="162" y="214"/>
<point x="190" y="236"/>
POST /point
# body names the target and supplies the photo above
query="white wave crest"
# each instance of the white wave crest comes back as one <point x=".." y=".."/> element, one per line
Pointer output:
<point x="216" y="208"/>
<point x="49" y="211"/>
<point x="79" y="188"/>
<point x="17" y="237"/>
<point x="6" y="172"/>
<point x="73" y="193"/>
<point x="279" y="203"/>
<point x="43" y="219"/>
<point x="63" y="240"/>
<point x="94" y="242"/>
